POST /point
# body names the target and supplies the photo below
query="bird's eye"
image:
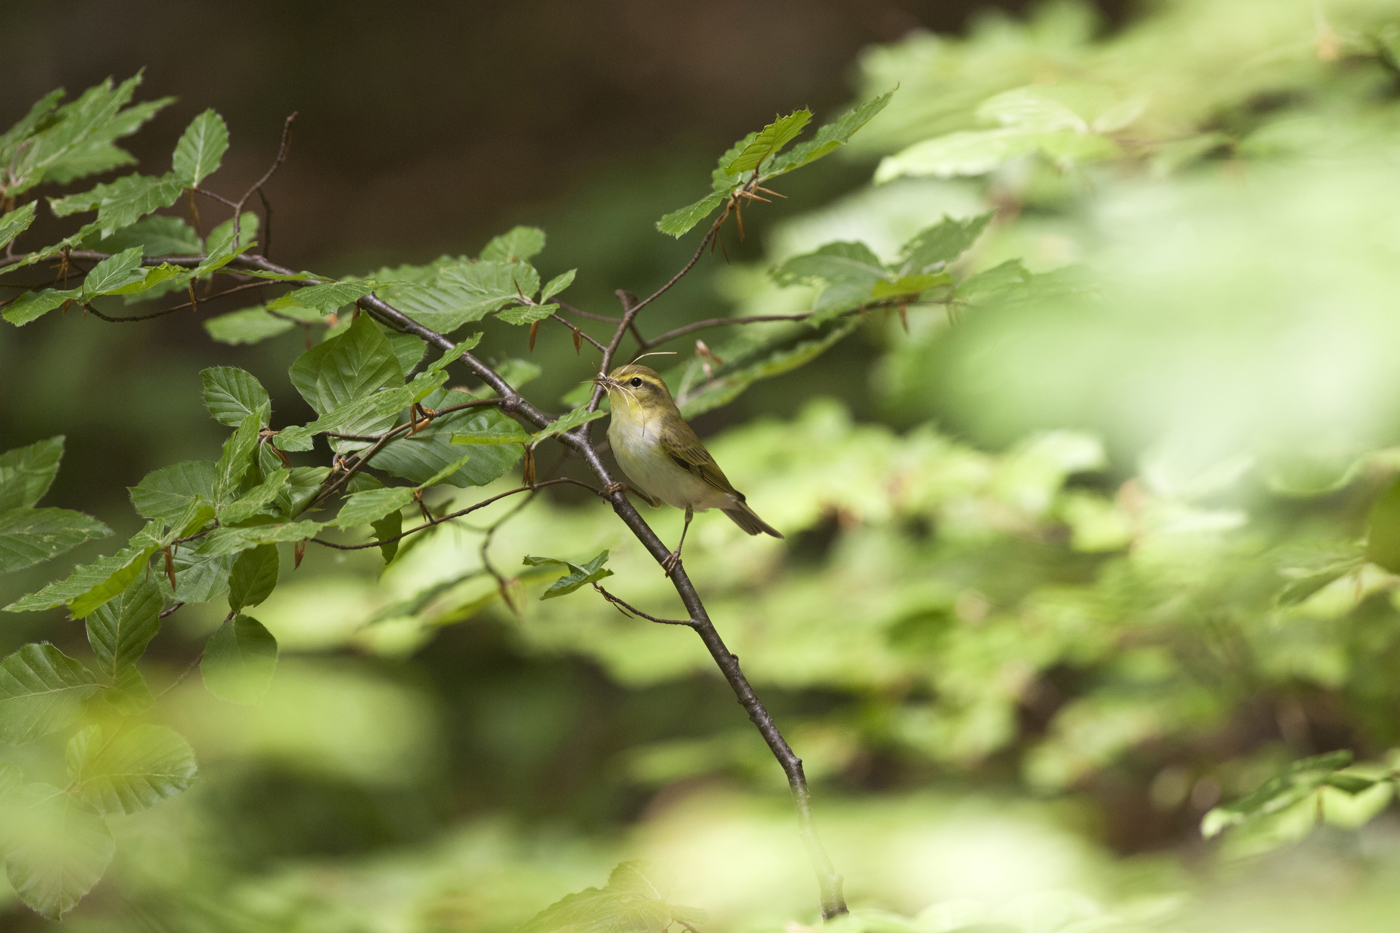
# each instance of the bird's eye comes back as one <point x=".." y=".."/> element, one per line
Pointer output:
<point x="636" y="382"/>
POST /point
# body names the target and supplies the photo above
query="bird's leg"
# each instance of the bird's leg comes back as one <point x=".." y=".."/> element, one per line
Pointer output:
<point x="674" y="558"/>
<point x="611" y="488"/>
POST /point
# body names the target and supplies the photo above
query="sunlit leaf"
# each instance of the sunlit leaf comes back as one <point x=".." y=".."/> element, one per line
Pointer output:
<point x="239" y="661"/>
<point x="201" y="148"/>
<point x="129" y="770"/>
<point x="41" y="689"/>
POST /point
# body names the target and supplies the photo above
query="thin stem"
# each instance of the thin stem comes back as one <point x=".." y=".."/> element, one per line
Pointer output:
<point x="451" y="515"/>
<point x="720" y="322"/>
<point x="628" y="609"/>
<point x="581" y="333"/>
<point x="588" y="314"/>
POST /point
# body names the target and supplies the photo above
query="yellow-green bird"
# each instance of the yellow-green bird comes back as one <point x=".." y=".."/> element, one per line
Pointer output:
<point x="663" y="457"/>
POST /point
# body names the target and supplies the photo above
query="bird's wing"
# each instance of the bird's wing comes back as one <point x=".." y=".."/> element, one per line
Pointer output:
<point x="684" y="448"/>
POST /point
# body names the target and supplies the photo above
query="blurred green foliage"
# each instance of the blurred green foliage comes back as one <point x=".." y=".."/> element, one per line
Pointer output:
<point x="1091" y="548"/>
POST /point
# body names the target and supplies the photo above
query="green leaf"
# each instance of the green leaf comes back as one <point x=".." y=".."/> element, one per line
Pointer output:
<point x="938" y="245"/>
<point x="557" y="284"/>
<point x="498" y="432"/>
<point x="408" y="350"/>
<point x="526" y="314"/>
<point x="232" y="394"/>
<point x="679" y="222"/>
<point x="16" y="222"/>
<point x="237" y="456"/>
<point x="199" y="575"/>
<point x="234" y="540"/>
<point x="30" y="536"/>
<point x="424" y="455"/>
<point x="41" y="690"/>
<point x="830" y="137"/>
<point x="123" y="202"/>
<point x="454" y="354"/>
<point x="261" y="498"/>
<point x="726" y="386"/>
<point x="157" y="236"/>
<point x="565" y="423"/>
<point x="239" y="661"/>
<point x="910" y="285"/>
<point x="114" y="272"/>
<point x="1278" y="793"/>
<point x="372" y="414"/>
<point x="73" y="133"/>
<point x="371" y="505"/>
<point x="220" y="242"/>
<point x="390" y="526"/>
<point x="519" y="244"/>
<point x="326" y="297"/>
<point x="350" y="366"/>
<point x="163" y="495"/>
<point x="302" y="485"/>
<point x="977" y="152"/>
<point x="247" y="326"/>
<point x="58" y="849"/>
<point x="578" y="575"/>
<point x="254" y="577"/>
<point x="200" y="151"/>
<point x="463" y="292"/>
<point x="848" y="273"/>
<point x="631" y="903"/>
<point x="769" y="140"/>
<point x="26" y="473"/>
<point x="989" y="281"/>
<point x="1383" y="535"/>
<point x="130" y="770"/>
<point x="33" y="305"/>
<point x="119" y="630"/>
<point x="91" y="585"/>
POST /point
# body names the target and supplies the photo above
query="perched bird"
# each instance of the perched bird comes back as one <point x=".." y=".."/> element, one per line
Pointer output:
<point x="663" y="457"/>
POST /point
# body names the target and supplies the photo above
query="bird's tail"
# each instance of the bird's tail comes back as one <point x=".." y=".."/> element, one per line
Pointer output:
<point x="747" y="519"/>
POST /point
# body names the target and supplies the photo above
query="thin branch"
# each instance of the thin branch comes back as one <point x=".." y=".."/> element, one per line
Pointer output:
<point x="628" y="609"/>
<point x="257" y="186"/>
<point x="588" y="314"/>
<point x="217" y="197"/>
<point x="720" y="322"/>
<point x="699" y="251"/>
<point x="458" y="514"/>
<point x="581" y="333"/>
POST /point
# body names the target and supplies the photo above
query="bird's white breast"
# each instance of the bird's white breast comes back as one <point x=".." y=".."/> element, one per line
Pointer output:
<point x="638" y="450"/>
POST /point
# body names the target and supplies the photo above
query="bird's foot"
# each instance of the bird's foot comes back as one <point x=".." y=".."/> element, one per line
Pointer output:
<point x="611" y="488"/>
<point x="671" y="561"/>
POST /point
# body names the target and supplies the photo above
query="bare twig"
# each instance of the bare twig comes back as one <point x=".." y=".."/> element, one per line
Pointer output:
<point x="581" y="333"/>
<point x="257" y="185"/>
<point x="627" y="608"/>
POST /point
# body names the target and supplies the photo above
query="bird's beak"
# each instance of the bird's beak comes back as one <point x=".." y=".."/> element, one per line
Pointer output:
<point x="603" y="381"/>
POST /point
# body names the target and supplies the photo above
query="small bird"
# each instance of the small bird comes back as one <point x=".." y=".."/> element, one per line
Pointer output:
<point x="664" y="458"/>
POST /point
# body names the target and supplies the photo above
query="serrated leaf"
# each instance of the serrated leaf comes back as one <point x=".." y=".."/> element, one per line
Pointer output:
<point x="454" y="354"/>
<point x="232" y="394"/>
<point x="578" y="575"/>
<point x="129" y="770"/>
<point x="371" y="414"/>
<point x="16" y="222"/>
<point x="253" y="578"/>
<point x="41" y="690"/>
<point x="249" y="325"/>
<point x="350" y="366"/>
<point x="120" y="629"/>
<point x="26" y="473"/>
<point x="390" y="526"/>
<point x="157" y="236"/>
<point x="326" y="297"/>
<point x="936" y="246"/>
<point x="632" y="902"/>
<point x="728" y="385"/>
<point x="30" y="536"/>
<point x="989" y="281"/>
<point x="526" y="314"/>
<point x="500" y="432"/>
<point x="520" y="243"/>
<point x="372" y="505"/>
<point x="220" y="242"/>
<point x="124" y="201"/>
<point x="114" y="272"/>
<point x="565" y="423"/>
<point x="239" y="661"/>
<point x="33" y="305"/>
<point x="679" y="222"/>
<point x="201" y="148"/>
<point x="234" y="540"/>
<point x="237" y="456"/>
<point x="91" y="585"/>
<point x="829" y="137"/>
<point x="257" y="500"/>
<point x="163" y="495"/>
<point x="408" y="350"/>
<point x="58" y="848"/>
<point x="847" y="272"/>
<point x="200" y="576"/>
<point x="557" y="284"/>
<point x="424" y="455"/>
<point x="769" y="141"/>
